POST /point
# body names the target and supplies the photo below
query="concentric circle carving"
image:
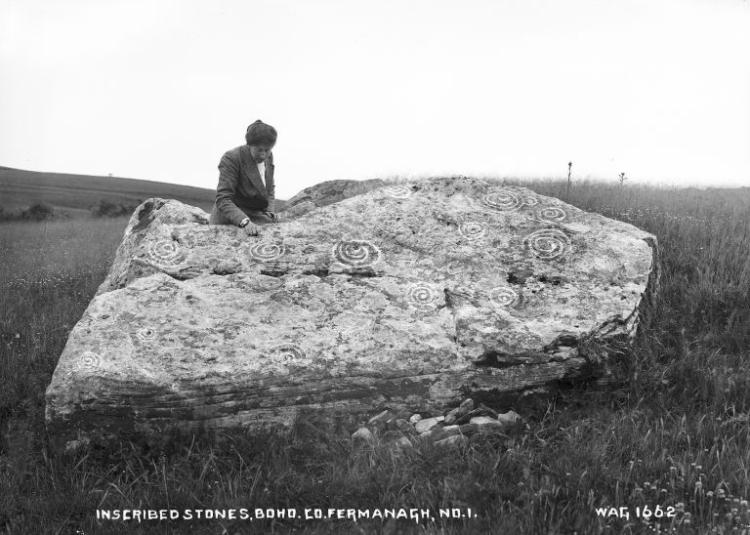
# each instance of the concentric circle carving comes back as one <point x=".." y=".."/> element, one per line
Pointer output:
<point x="553" y="214"/>
<point x="90" y="360"/>
<point x="398" y="192"/>
<point x="288" y="353"/>
<point x="267" y="251"/>
<point x="146" y="335"/>
<point x="503" y="297"/>
<point x="423" y="296"/>
<point x="548" y="244"/>
<point x="505" y="200"/>
<point x="472" y="230"/>
<point x="356" y="253"/>
<point x="165" y="253"/>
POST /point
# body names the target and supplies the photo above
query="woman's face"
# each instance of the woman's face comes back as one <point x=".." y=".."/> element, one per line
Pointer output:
<point x="260" y="152"/>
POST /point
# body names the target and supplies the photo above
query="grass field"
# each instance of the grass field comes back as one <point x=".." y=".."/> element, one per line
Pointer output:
<point x="73" y="195"/>
<point x="675" y="434"/>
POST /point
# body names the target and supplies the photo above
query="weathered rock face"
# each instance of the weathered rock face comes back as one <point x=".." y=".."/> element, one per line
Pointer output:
<point x="410" y="296"/>
<point x="330" y="192"/>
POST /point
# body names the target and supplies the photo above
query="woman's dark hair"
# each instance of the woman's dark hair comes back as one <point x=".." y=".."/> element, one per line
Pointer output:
<point x="260" y="133"/>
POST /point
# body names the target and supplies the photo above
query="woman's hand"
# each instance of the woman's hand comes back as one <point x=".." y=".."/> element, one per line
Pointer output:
<point x="251" y="229"/>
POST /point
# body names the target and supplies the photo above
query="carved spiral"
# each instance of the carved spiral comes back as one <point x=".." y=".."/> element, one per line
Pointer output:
<point x="356" y="253"/>
<point x="503" y="296"/>
<point x="397" y="192"/>
<point x="165" y="252"/>
<point x="530" y="201"/>
<point x="89" y="359"/>
<point x="553" y="214"/>
<point x="146" y="334"/>
<point x="547" y="243"/>
<point x="454" y="267"/>
<point x="266" y="251"/>
<point x="502" y="200"/>
<point x="472" y="230"/>
<point x="288" y="353"/>
<point x="422" y="295"/>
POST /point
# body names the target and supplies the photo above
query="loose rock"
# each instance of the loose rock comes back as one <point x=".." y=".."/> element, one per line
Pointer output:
<point x="509" y="418"/>
<point x="403" y="443"/>
<point x="426" y="424"/>
<point x="439" y="432"/>
<point x="484" y="410"/>
<point x="453" y="416"/>
<point x="485" y="424"/>
<point x="363" y="434"/>
<point x="468" y="429"/>
<point x="405" y="427"/>
<point x="380" y="418"/>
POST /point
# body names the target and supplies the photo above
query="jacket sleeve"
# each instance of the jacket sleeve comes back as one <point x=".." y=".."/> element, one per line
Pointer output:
<point x="271" y="189"/>
<point x="229" y="175"/>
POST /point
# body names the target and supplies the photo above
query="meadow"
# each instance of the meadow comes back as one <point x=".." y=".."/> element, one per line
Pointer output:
<point x="73" y="195"/>
<point x="674" y="436"/>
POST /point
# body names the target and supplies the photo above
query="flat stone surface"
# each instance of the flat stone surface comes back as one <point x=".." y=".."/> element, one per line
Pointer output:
<point x="403" y="297"/>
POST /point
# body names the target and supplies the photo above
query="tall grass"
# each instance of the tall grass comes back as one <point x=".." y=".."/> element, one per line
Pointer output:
<point x="675" y="434"/>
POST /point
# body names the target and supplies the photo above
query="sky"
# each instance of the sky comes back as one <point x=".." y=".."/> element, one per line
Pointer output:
<point x="160" y="89"/>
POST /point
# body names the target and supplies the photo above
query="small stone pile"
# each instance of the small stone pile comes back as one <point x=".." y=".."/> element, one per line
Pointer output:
<point x="450" y="429"/>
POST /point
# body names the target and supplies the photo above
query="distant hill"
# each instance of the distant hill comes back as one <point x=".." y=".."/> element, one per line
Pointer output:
<point x="76" y="194"/>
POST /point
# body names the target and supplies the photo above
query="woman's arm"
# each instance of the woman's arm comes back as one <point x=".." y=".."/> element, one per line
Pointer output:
<point x="229" y="175"/>
<point x="271" y="187"/>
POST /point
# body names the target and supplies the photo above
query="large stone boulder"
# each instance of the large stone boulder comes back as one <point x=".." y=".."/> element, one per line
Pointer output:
<point x="326" y="193"/>
<point x="410" y="296"/>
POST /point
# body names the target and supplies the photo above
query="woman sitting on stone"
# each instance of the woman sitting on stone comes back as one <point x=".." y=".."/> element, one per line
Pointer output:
<point x="245" y="194"/>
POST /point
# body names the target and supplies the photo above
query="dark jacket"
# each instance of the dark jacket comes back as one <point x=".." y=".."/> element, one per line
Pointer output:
<point x="241" y="191"/>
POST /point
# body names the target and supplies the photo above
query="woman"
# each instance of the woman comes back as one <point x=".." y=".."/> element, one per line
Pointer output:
<point x="245" y="194"/>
